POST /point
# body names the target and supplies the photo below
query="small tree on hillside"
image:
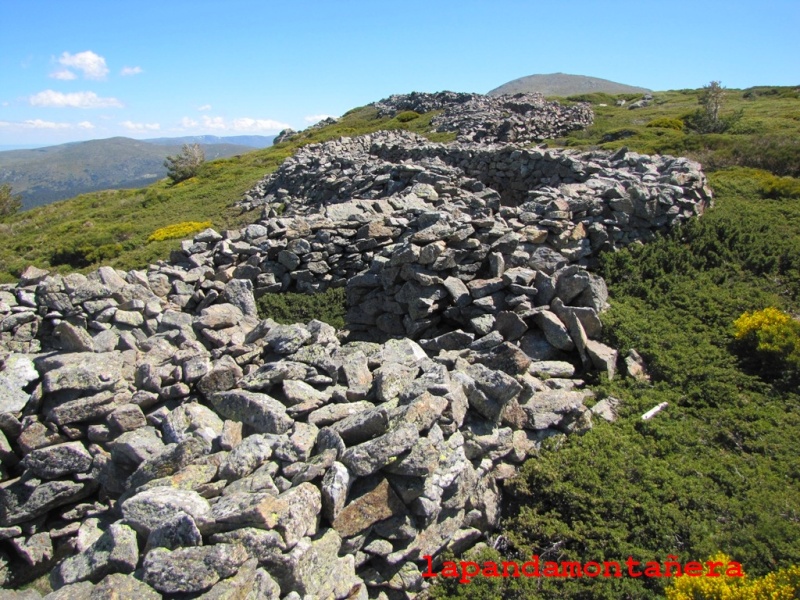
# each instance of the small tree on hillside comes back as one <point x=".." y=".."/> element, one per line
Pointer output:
<point x="186" y="164"/>
<point x="9" y="203"/>
<point x="708" y="119"/>
<point x="711" y="99"/>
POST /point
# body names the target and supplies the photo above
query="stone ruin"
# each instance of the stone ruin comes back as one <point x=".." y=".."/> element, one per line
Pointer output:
<point x="508" y="118"/>
<point x="159" y="439"/>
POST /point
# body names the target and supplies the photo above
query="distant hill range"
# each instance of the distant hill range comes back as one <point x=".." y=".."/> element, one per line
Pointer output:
<point x="561" y="84"/>
<point x="45" y="175"/>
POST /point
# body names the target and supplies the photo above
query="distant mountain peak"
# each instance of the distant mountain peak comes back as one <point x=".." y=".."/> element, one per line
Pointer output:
<point x="563" y="84"/>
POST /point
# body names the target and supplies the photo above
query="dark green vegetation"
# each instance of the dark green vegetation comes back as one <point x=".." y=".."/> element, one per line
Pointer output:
<point x="113" y="226"/>
<point x="290" y="307"/>
<point x="719" y="469"/>
<point x="46" y="175"/>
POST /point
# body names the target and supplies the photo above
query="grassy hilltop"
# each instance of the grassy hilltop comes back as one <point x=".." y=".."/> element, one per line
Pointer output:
<point x="719" y="469"/>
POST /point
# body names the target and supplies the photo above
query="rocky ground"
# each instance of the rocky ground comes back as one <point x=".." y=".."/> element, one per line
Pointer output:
<point x="159" y="439"/>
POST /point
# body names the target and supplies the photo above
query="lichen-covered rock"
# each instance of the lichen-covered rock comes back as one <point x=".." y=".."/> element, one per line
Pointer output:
<point x="188" y="570"/>
<point x="115" y="551"/>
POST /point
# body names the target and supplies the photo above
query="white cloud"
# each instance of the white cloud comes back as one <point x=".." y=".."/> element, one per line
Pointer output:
<point x="214" y="122"/>
<point x="5" y="124"/>
<point x="64" y="75"/>
<point x="40" y="124"/>
<point x="140" y="126"/>
<point x="204" y="107"/>
<point x="241" y="125"/>
<point x="92" y="65"/>
<point x="73" y="100"/>
<point x="317" y="118"/>
<point x="247" y="124"/>
<point x="85" y="125"/>
<point x="127" y="71"/>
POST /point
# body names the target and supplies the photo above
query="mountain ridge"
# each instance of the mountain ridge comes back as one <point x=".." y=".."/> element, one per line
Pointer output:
<point x="563" y="84"/>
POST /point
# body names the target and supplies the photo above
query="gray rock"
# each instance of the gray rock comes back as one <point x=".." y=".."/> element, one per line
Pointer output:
<point x="23" y="500"/>
<point x="249" y="583"/>
<point x="170" y="461"/>
<point x="552" y="368"/>
<point x="34" y="550"/>
<point x="239" y="292"/>
<point x="314" y="569"/>
<point x="191" y="419"/>
<point x="178" y="531"/>
<point x="368" y="457"/>
<point x="335" y="487"/>
<point x="86" y="409"/>
<point x="189" y="570"/>
<point x="554" y="330"/>
<point x="254" y="451"/>
<point x="81" y="372"/>
<point x="74" y="339"/>
<point x="219" y="316"/>
<point x="128" y="417"/>
<point x="548" y="409"/>
<point x="57" y="461"/>
<point x="134" y="447"/>
<point x="332" y="413"/>
<point x="151" y="508"/>
<point x="362" y="426"/>
<point x="222" y="377"/>
<point x="262" y="413"/>
<point x="603" y="357"/>
<point x="287" y="339"/>
<point x="391" y="378"/>
<point x="300" y="393"/>
<point x="115" y="551"/>
<point x="293" y="514"/>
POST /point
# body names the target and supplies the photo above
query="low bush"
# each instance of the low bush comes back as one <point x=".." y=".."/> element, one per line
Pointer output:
<point x="178" y="230"/>
<point x="290" y="307"/>
<point x="408" y="115"/>
<point x="666" y="123"/>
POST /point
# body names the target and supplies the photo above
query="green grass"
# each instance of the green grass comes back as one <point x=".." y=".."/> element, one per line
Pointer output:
<point x="113" y="227"/>
<point x="767" y="136"/>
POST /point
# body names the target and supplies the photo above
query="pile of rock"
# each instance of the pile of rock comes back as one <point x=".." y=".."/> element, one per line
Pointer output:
<point x="158" y="438"/>
<point x="421" y="102"/>
<point x="518" y="118"/>
<point x="221" y="451"/>
<point x="287" y="134"/>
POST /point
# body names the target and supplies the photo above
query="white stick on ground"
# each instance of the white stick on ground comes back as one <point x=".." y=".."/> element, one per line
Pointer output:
<point x="654" y="411"/>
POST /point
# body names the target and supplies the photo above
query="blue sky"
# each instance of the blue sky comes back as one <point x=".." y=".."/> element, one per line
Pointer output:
<point x="84" y="69"/>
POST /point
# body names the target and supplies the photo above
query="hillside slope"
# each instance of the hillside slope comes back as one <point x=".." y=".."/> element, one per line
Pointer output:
<point x="563" y="85"/>
<point x="45" y="175"/>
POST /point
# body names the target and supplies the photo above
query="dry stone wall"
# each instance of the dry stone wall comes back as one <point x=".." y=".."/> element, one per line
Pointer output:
<point x="517" y="118"/>
<point x="158" y="438"/>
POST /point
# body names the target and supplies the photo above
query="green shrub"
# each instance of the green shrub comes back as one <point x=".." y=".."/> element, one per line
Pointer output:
<point x="408" y="115"/>
<point x="666" y="123"/>
<point x="290" y="307"/>
<point x="178" y="231"/>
